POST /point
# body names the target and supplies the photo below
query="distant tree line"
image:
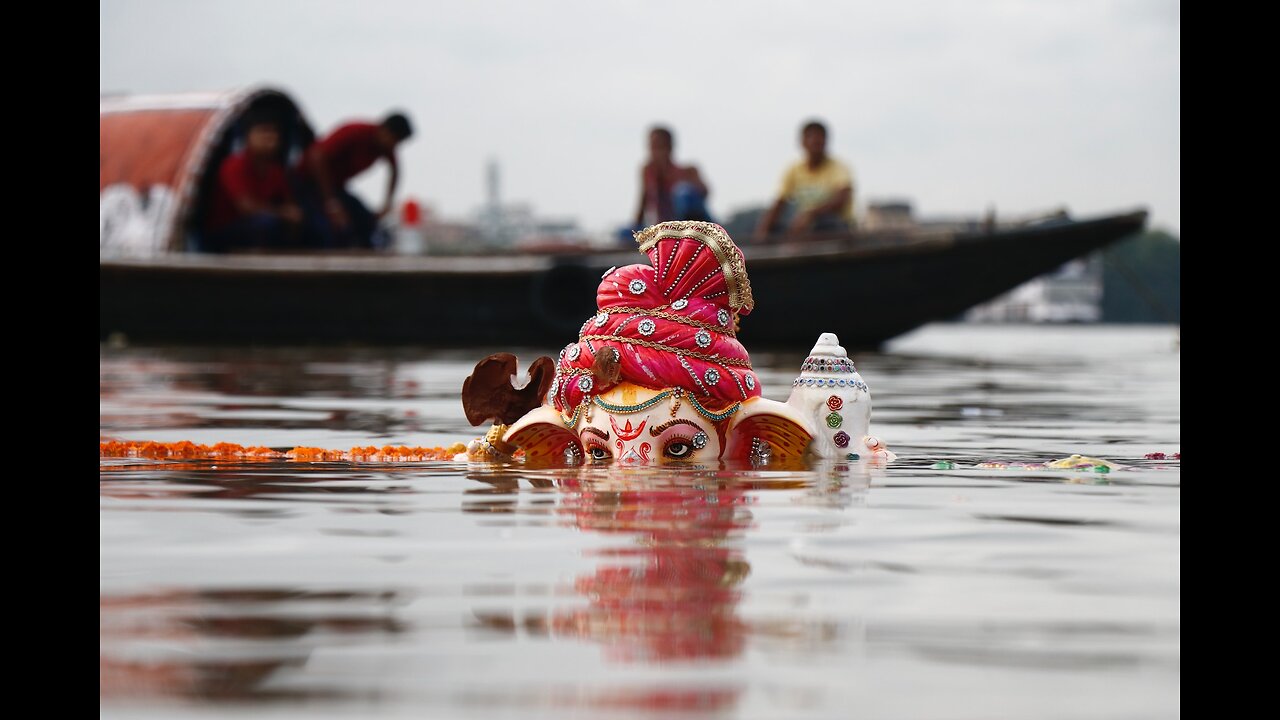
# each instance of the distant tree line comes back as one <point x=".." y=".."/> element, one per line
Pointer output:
<point x="1142" y="279"/>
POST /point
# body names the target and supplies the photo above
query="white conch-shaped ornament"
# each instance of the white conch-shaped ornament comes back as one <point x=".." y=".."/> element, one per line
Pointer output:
<point x="832" y="395"/>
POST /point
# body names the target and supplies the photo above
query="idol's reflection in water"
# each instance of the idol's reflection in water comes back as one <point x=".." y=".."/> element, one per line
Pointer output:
<point x="669" y="593"/>
<point x="673" y="594"/>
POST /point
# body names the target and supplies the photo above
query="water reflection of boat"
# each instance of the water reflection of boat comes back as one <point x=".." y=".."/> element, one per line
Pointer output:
<point x="157" y="155"/>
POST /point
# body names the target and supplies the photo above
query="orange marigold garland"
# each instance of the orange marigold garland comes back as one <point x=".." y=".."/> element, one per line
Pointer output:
<point x="187" y="450"/>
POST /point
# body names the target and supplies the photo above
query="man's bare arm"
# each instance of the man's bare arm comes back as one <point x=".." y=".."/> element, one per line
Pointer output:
<point x="770" y="219"/>
<point x="392" y="180"/>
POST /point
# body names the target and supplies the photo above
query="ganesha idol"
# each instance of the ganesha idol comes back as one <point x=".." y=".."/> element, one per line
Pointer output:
<point x="657" y="376"/>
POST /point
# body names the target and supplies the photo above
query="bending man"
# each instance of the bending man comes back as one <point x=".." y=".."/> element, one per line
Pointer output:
<point x="339" y="217"/>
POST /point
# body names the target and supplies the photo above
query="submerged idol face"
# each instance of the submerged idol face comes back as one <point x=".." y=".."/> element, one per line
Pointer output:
<point x="634" y="426"/>
<point x="657" y="429"/>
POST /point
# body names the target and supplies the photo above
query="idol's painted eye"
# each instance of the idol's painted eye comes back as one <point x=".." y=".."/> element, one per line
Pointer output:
<point x="597" y="453"/>
<point x="678" y="449"/>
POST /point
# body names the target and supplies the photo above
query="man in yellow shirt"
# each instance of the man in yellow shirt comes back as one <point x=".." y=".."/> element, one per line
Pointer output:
<point x="818" y="191"/>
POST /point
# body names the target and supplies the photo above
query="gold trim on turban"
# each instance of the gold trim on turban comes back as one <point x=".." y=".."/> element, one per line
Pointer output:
<point x="714" y="237"/>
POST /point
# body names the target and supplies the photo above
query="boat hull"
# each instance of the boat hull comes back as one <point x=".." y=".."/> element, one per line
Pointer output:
<point x="866" y="291"/>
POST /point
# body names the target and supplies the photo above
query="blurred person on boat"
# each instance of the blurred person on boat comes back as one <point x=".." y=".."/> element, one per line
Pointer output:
<point x="816" y="195"/>
<point x="337" y="218"/>
<point x="252" y="206"/>
<point x="668" y="190"/>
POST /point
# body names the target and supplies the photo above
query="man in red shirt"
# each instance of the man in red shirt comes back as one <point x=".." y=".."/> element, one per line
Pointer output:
<point x="251" y="206"/>
<point x="327" y="166"/>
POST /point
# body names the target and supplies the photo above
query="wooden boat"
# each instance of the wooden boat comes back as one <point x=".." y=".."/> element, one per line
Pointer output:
<point x="158" y="157"/>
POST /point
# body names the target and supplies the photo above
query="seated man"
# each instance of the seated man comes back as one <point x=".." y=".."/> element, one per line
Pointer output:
<point x="251" y="206"/>
<point x="338" y="217"/>
<point x="818" y="191"/>
<point x="667" y="190"/>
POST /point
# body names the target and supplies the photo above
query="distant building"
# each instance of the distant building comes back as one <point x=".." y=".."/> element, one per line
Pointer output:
<point x="1070" y="294"/>
<point x="418" y="229"/>
<point x="495" y="227"/>
<point x="898" y="214"/>
<point x="888" y="215"/>
<point x="516" y="225"/>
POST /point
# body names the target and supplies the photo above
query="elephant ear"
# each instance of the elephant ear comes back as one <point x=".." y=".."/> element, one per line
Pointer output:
<point x="488" y="393"/>
<point x="543" y="437"/>
<point x="761" y="420"/>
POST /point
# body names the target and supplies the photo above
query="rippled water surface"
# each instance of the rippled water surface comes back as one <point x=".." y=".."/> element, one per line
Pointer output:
<point x="441" y="590"/>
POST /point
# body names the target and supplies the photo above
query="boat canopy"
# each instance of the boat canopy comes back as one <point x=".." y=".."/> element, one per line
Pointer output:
<point x="159" y="156"/>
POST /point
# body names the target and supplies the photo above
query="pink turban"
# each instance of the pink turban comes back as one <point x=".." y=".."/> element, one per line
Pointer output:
<point x="670" y="324"/>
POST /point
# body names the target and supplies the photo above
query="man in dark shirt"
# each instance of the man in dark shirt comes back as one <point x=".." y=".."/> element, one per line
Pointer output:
<point x="340" y="218"/>
<point x="668" y="190"/>
<point x="251" y="206"/>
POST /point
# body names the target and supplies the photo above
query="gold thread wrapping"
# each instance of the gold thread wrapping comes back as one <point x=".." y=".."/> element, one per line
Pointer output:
<point x="669" y="316"/>
<point x="667" y="348"/>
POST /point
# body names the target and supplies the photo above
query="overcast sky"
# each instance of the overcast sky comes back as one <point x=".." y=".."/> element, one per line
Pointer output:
<point x="956" y="105"/>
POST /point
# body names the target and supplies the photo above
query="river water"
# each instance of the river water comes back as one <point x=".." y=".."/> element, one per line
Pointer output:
<point x="441" y="590"/>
